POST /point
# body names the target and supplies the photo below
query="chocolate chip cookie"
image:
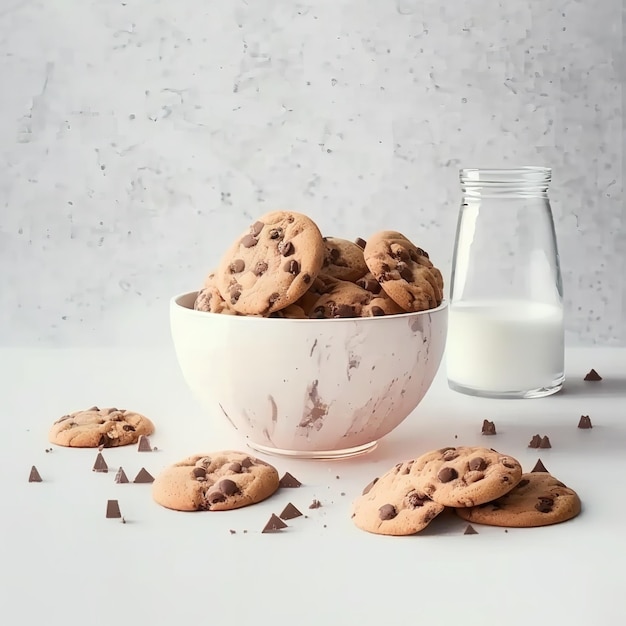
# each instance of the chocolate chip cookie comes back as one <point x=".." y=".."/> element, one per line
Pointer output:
<point x="404" y="271"/>
<point x="219" y="481"/>
<point x="392" y="505"/>
<point x="100" y="427"/>
<point x="343" y="259"/>
<point x="538" y="499"/>
<point x="210" y="300"/>
<point x="272" y="264"/>
<point x="465" y="476"/>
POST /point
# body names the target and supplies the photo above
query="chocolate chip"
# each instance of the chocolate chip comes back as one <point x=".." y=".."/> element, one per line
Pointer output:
<point x="470" y="530"/>
<point x="523" y="482"/>
<point x="334" y="255"/>
<point x="274" y="524"/>
<point x="421" y="252"/>
<point x="384" y="277"/>
<point x="489" y="428"/>
<point x="293" y="267"/>
<point x="273" y="298"/>
<point x="316" y="504"/>
<point x="235" y="467"/>
<point x="289" y="481"/>
<point x="477" y="464"/>
<point x="235" y="292"/>
<point x="414" y="500"/>
<point x="368" y="488"/>
<point x="128" y="428"/>
<point x="592" y="375"/>
<point x="360" y="242"/>
<point x="285" y="248"/>
<point x="344" y="310"/>
<point x="34" y="476"/>
<point x="545" y="442"/>
<point x="290" y="512"/>
<point x="377" y="311"/>
<point x="276" y="233"/>
<point x="306" y="278"/>
<point x="199" y="472"/>
<point x="260" y="268"/>
<point x="402" y="255"/>
<point x="256" y="228"/>
<point x="508" y="463"/>
<point x="237" y="266"/>
<point x="369" y="284"/>
<point x="143" y="476"/>
<point x="384" y="267"/>
<point x="113" y="509"/>
<point x="585" y="422"/>
<point x="446" y="474"/>
<point x="247" y="462"/>
<point x="319" y="312"/>
<point x="249" y="241"/>
<point x="535" y="441"/>
<point x="215" y="496"/>
<point x="539" y="467"/>
<point x="449" y="454"/>
<point x="228" y="487"/>
<point x="387" y="512"/>
<point x="545" y="505"/>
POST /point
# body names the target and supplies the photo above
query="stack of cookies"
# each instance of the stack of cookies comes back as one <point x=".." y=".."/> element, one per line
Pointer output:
<point x="282" y="266"/>
<point x="480" y="484"/>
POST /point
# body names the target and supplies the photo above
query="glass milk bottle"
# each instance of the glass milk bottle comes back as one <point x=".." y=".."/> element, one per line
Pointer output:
<point x="505" y="334"/>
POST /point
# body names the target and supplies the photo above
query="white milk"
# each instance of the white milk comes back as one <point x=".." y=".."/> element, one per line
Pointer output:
<point x="505" y="346"/>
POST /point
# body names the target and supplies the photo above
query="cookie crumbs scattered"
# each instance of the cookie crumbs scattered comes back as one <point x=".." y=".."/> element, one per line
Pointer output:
<point x="274" y="524"/>
<point x="593" y="376"/>
<point x="316" y="504"/>
<point x="306" y="517"/>
<point x="289" y="481"/>
<point x="343" y="493"/>
<point x="143" y="476"/>
<point x="34" y="477"/>
<point x="585" y="422"/>
<point x="143" y="445"/>
<point x="100" y="465"/>
<point x="456" y="436"/>
<point x="48" y="450"/>
<point x="120" y="476"/>
<point x="232" y="532"/>
<point x="290" y="512"/>
<point x="545" y="442"/>
<point x="489" y="428"/>
<point x="325" y="526"/>
<point x="506" y="530"/>
<point x="337" y="477"/>
<point x="539" y="467"/>
<point x="535" y="441"/>
<point x="470" y="530"/>
<point x="113" y="509"/>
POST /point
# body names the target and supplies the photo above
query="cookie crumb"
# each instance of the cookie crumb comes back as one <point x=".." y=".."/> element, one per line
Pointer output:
<point x="274" y="524"/>
<point x="113" y="509"/>
<point x="489" y="428"/>
<point x="535" y="442"/>
<point x="316" y="504"/>
<point x="245" y="532"/>
<point x="337" y="477"/>
<point x="100" y="448"/>
<point x="289" y="481"/>
<point x="593" y="376"/>
<point x="545" y="442"/>
<point x="232" y="532"/>
<point x="470" y="530"/>
<point x="143" y="476"/>
<point x="456" y="436"/>
<point x="155" y="449"/>
<point x="539" y="467"/>
<point x="143" y="445"/>
<point x="123" y="521"/>
<point x="585" y="422"/>
<point x="100" y="465"/>
<point x="325" y="526"/>
<point x="343" y="493"/>
<point x="506" y="530"/>
<point x="34" y="475"/>
<point x="120" y="476"/>
<point x="290" y="512"/>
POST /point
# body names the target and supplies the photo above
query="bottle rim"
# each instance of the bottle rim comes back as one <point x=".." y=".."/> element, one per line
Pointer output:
<point x="527" y="174"/>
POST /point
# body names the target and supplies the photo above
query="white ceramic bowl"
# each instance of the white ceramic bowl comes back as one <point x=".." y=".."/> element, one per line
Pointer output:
<point x="309" y="388"/>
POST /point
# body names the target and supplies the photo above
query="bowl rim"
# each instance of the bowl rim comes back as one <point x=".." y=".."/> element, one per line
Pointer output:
<point x="174" y="303"/>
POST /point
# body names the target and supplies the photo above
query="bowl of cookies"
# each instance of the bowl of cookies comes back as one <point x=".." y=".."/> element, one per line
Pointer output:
<point x="312" y="346"/>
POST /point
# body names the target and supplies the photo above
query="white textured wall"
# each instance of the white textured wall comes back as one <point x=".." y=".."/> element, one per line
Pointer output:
<point x="138" y="137"/>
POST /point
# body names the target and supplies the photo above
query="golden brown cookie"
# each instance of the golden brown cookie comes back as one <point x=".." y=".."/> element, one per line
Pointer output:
<point x="343" y="259"/>
<point x="219" y="481"/>
<point x="293" y="312"/>
<point x="272" y="264"/>
<point x="465" y="476"/>
<point x="100" y="427"/>
<point x="538" y="499"/>
<point x="392" y="505"/>
<point x="404" y="271"/>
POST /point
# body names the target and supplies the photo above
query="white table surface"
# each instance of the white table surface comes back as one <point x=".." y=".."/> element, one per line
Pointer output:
<point x="62" y="562"/>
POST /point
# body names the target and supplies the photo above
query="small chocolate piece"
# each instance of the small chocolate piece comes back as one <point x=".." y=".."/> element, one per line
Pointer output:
<point x="249" y="241"/>
<point x="545" y="442"/>
<point x="287" y="481"/>
<point x="215" y="496"/>
<point x="377" y="311"/>
<point x="387" y="512"/>
<point x="368" y="487"/>
<point x="344" y="310"/>
<point x="522" y="483"/>
<point x="446" y="474"/>
<point x="477" y="464"/>
<point x="545" y="504"/>
<point x="535" y="441"/>
<point x="593" y="376"/>
<point x="290" y="512"/>
<point x="489" y="428"/>
<point x="260" y="268"/>
<point x="470" y="530"/>
<point x="274" y="524"/>
<point x="120" y="476"/>
<point x="235" y="467"/>
<point x="247" y="462"/>
<point x="293" y="267"/>
<point x="34" y="476"/>
<point x="228" y="487"/>
<point x="100" y="465"/>
<point x="360" y="242"/>
<point x="316" y="504"/>
<point x="286" y="248"/>
<point x="199" y="472"/>
<point x="539" y="467"/>
<point x="256" y="228"/>
<point x="585" y="422"/>
<point x="237" y="266"/>
<point x="143" y="445"/>
<point x="113" y="509"/>
<point x="369" y="284"/>
<point x="143" y="476"/>
<point x="232" y="532"/>
<point x="415" y="500"/>
<point x="277" y="233"/>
